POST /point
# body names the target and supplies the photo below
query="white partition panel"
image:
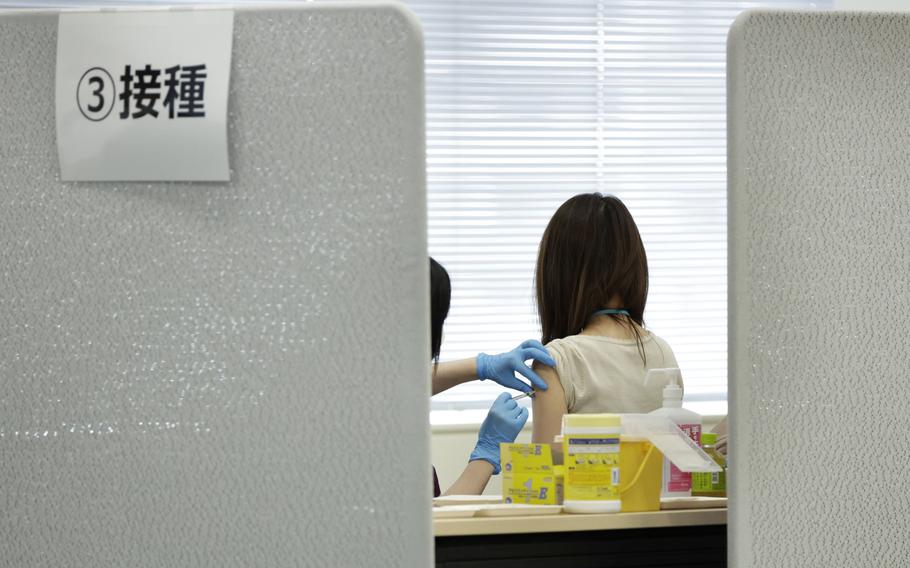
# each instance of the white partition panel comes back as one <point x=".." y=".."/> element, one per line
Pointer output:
<point x="223" y="374"/>
<point x="819" y="289"/>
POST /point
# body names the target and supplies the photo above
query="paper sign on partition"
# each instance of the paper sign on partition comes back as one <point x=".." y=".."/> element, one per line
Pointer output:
<point x="142" y="96"/>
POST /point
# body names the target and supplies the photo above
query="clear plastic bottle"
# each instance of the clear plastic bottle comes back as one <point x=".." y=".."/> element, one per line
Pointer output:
<point x="711" y="484"/>
<point x="676" y="483"/>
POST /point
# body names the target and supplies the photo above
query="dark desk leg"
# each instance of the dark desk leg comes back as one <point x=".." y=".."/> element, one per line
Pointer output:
<point x="679" y="547"/>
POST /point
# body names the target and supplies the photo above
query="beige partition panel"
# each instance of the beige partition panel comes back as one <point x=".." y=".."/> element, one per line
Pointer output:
<point x="223" y="374"/>
<point x="819" y="226"/>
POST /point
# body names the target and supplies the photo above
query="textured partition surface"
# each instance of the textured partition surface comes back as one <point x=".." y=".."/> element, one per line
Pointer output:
<point x="223" y="374"/>
<point x="819" y="289"/>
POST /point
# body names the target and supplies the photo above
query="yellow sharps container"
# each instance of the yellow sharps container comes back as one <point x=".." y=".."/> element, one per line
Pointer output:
<point x="646" y="439"/>
<point x="640" y="475"/>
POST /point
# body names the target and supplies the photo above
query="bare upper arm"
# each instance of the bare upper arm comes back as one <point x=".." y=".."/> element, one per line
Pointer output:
<point x="549" y="406"/>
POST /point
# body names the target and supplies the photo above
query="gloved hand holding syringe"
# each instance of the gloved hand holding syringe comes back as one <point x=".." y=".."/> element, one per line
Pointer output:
<point x="503" y="368"/>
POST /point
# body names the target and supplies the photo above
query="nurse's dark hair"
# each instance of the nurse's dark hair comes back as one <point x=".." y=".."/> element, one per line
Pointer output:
<point x="440" y="297"/>
<point x="590" y="252"/>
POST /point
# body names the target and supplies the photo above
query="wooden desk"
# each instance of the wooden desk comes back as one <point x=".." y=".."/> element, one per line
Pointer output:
<point x="696" y="538"/>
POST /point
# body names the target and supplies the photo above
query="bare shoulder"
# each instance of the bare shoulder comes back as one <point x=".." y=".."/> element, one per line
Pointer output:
<point x="547" y="373"/>
<point x="548" y="405"/>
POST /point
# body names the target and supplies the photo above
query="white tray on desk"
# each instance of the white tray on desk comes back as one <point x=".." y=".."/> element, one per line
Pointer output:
<point x="455" y="511"/>
<point x="517" y="510"/>
<point x="673" y="503"/>
<point x="446" y="500"/>
<point x="497" y="510"/>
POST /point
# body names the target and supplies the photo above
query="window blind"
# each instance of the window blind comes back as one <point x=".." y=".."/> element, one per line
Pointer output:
<point x="532" y="101"/>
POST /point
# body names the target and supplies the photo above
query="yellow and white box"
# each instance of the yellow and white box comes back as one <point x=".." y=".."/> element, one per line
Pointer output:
<point x="528" y="475"/>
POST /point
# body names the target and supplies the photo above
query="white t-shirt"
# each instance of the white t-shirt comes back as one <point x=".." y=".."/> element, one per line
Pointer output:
<point x="606" y="374"/>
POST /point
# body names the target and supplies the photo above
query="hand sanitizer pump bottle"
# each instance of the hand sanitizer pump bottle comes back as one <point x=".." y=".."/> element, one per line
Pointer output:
<point x="676" y="483"/>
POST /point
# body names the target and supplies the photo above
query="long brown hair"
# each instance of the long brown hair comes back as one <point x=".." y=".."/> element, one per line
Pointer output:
<point x="590" y="252"/>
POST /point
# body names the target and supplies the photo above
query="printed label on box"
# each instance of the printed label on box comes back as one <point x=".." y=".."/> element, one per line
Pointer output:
<point x="528" y="475"/>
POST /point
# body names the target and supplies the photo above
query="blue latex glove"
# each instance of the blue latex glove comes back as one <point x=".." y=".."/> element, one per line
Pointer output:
<point x="502" y="368"/>
<point x="502" y="425"/>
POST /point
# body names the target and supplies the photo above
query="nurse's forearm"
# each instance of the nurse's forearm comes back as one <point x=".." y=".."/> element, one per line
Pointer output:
<point x="453" y="373"/>
<point x="473" y="479"/>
